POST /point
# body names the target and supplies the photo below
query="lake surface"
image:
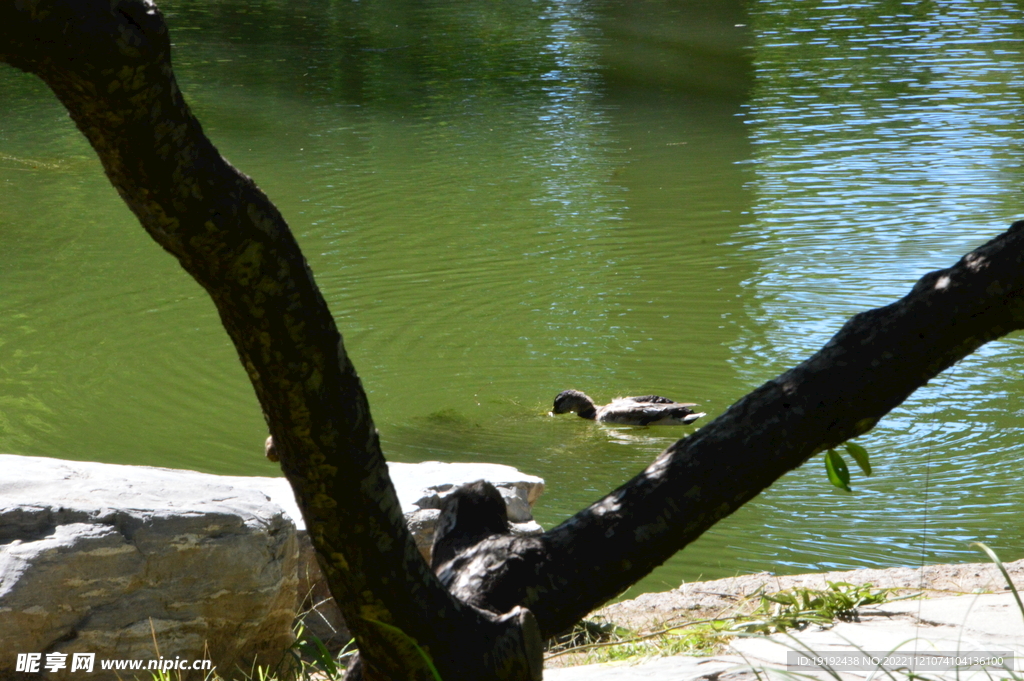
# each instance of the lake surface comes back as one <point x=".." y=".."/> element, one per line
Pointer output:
<point x="501" y="201"/>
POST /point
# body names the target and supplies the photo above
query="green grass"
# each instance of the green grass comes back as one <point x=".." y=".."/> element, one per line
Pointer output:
<point x="902" y="674"/>
<point x="799" y="607"/>
<point x="308" y="659"/>
<point x="592" y="642"/>
<point x="705" y="638"/>
<point x="787" y="611"/>
<point x="793" y="609"/>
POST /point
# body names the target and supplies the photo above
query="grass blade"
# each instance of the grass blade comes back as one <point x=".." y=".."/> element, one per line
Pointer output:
<point x="1006" y="575"/>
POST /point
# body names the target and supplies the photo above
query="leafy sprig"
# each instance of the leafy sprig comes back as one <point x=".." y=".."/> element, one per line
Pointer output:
<point x="837" y="470"/>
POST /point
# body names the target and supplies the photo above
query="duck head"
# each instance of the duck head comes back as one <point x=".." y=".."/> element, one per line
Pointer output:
<point x="574" y="400"/>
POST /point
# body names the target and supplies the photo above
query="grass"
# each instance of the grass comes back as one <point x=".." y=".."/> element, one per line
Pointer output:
<point x="596" y="641"/>
<point x="799" y="607"/>
<point x="792" y="609"/>
<point x="785" y="612"/>
<point x="311" y="659"/>
<point x="592" y="642"/>
<point x="1005" y="674"/>
<point x="308" y="659"/>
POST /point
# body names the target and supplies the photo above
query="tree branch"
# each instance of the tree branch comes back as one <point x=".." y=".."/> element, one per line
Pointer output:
<point x="109" y="64"/>
<point x="870" y="366"/>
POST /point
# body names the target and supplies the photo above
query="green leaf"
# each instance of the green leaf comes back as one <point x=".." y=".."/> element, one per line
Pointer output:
<point x="838" y="473"/>
<point x="860" y="455"/>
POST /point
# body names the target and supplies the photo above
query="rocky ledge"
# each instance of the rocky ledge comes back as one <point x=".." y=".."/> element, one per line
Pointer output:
<point x="693" y="601"/>
<point x="116" y="560"/>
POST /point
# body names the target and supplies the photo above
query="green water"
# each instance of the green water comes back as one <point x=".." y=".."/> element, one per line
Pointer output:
<point x="503" y="200"/>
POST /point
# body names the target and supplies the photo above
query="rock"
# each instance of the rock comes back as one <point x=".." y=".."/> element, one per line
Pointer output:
<point x="103" y="559"/>
<point x="421" y="488"/>
<point x="91" y="554"/>
<point x="422" y="523"/>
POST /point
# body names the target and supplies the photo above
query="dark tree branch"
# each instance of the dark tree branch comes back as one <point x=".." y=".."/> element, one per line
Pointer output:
<point x="109" y="64"/>
<point x="874" y="363"/>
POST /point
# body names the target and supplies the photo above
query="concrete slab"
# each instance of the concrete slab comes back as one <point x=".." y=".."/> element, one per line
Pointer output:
<point x="678" y="668"/>
<point x="987" y="623"/>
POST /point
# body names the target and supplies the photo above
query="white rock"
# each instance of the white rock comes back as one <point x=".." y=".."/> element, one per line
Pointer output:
<point x="420" y="487"/>
<point x="423" y="486"/>
<point x="96" y="558"/>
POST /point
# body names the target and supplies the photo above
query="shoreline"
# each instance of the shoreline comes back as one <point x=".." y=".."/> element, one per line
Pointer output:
<point x="720" y="597"/>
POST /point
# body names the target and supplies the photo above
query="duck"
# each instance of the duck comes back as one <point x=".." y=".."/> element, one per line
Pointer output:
<point x="646" y="410"/>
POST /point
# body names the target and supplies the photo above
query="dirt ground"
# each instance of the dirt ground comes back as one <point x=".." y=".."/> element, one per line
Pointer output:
<point x="724" y="597"/>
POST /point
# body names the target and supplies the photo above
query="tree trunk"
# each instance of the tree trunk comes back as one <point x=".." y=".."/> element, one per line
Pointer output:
<point x="109" y="64"/>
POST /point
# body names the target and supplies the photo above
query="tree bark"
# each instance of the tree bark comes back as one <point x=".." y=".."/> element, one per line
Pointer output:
<point x="870" y="366"/>
<point x="109" y="63"/>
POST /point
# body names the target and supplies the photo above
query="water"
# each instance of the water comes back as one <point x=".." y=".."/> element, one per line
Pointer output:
<point x="503" y="201"/>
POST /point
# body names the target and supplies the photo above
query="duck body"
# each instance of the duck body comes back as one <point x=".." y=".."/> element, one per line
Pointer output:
<point x="646" y="410"/>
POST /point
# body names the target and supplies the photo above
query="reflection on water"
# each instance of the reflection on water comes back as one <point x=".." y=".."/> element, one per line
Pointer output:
<point x="886" y="145"/>
<point x="502" y="201"/>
